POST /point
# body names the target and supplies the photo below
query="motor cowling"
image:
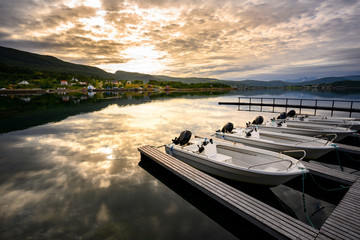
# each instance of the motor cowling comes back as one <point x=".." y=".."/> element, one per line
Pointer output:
<point x="227" y="128"/>
<point x="291" y="113"/>
<point x="258" y="120"/>
<point x="282" y="115"/>
<point x="183" y="139"/>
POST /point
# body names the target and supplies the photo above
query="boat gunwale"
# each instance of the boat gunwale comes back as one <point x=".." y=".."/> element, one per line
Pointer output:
<point x="325" y="146"/>
<point x="295" y="169"/>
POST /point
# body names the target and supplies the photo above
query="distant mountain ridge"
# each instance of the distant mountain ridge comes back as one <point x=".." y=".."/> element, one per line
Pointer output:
<point x="27" y="60"/>
<point x="327" y="80"/>
<point x="14" y="57"/>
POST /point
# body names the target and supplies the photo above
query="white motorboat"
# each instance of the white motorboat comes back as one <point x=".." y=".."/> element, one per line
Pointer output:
<point x="312" y="130"/>
<point x="290" y="144"/>
<point x="300" y="120"/>
<point x="336" y="119"/>
<point x="237" y="161"/>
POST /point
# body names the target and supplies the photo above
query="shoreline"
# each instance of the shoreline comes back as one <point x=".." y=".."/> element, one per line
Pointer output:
<point x="43" y="91"/>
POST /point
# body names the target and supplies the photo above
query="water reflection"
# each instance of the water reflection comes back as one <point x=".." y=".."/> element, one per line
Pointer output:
<point x="219" y="213"/>
<point x="77" y="176"/>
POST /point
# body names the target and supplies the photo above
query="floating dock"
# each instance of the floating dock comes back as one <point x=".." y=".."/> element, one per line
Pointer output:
<point x="316" y="104"/>
<point x="342" y="223"/>
<point x="348" y="148"/>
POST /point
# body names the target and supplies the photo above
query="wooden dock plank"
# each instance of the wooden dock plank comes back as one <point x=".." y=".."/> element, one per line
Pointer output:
<point x="329" y="234"/>
<point x="271" y="220"/>
<point x="238" y="198"/>
<point x="348" y="148"/>
<point x="340" y="232"/>
<point x="345" y="227"/>
<point x="329" y="173"/>
<point x="345" y="219"/>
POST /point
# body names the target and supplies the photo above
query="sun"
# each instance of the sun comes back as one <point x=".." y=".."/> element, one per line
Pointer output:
<point x="144" y="59"/>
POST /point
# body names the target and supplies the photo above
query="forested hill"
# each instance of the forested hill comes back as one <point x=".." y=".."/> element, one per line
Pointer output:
<point x="15" y="64"/>
<point x="21" y="59"/>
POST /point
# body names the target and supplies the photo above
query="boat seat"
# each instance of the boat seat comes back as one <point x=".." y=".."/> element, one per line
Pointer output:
<point x="192" y="147"/>
<point x="221" y="158"/>
<point x="209" y="151"/>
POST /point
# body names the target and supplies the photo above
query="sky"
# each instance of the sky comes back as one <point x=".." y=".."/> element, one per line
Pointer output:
<point x="228" y="39"/>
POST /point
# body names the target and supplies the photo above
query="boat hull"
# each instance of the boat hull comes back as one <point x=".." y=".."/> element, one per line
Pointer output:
<point x="354" y="125"/>
<point x="221" y="170"/>
<point x="312" y="153"/>
<point x="308" y="132"/>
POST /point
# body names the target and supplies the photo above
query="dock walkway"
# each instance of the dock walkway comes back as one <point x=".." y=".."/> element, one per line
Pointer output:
<point x="348" y="148"/>
<point x="342" y="223"/>
<point x="271" y="220"/>
<point x="331" y="174"/>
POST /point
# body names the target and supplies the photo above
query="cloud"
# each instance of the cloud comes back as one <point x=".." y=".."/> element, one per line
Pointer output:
<point x="228" y="39"/>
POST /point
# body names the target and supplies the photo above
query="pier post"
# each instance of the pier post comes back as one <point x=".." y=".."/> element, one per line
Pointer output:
<point x="273" y="104"/>
<point x="351" y="106"/>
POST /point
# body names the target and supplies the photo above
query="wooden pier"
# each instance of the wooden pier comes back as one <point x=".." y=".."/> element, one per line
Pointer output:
<point x="316" y="104"/>
<point x="348" y="148"/>
<point x="329" y="173"/>
<point x="341" y="224"/>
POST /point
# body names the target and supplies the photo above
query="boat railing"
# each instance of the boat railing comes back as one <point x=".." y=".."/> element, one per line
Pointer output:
<point x="325" y="135"/>
<point x="297" y="150"/>
<point x="318" y="137"/>
<point x="262" y="164"/>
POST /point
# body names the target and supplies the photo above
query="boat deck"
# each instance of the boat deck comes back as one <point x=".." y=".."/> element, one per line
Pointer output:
<point x="341" y="224"/>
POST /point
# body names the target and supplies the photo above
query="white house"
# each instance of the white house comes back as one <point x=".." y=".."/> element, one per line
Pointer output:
<point x="128" y="82"/>
<point x="24" y="82"/>
<point x="64" y="83"/>
<point x="90" y="88"/>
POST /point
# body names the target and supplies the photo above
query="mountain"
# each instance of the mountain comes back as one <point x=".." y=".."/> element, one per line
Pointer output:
<point x="13" y="60"/>
<point x="328" y="80"/>
<point x="122" y="75"/>
<point x="275" y="83"/>
<point x="13" y="57"/>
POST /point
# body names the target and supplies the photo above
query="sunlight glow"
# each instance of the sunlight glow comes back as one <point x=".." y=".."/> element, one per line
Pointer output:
<point x="89" y="3"/>
<point x="142" y="59"/>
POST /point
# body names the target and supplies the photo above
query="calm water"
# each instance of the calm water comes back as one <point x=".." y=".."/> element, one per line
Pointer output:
<point x="69" y="168"/>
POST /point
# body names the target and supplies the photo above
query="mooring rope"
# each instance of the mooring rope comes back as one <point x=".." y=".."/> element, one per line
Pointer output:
<point x="328" y="190"/>
<point x="303" y="196"/>
<point x="352" y="159"/>
<point x="338" y="156"/>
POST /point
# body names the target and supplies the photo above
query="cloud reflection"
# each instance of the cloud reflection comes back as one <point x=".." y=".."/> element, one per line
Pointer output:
<point x="80" y="178"/>
<point x="83" y="171"/>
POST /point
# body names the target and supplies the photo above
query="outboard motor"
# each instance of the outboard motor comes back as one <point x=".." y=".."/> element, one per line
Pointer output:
<point x="228" y="128"/>
<point x="248" y="134"/>
<point x="291" y="113"/>
<point x="183" y="139"/>
<point x="282" y="115"/>
<point x="258" y="120"/>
